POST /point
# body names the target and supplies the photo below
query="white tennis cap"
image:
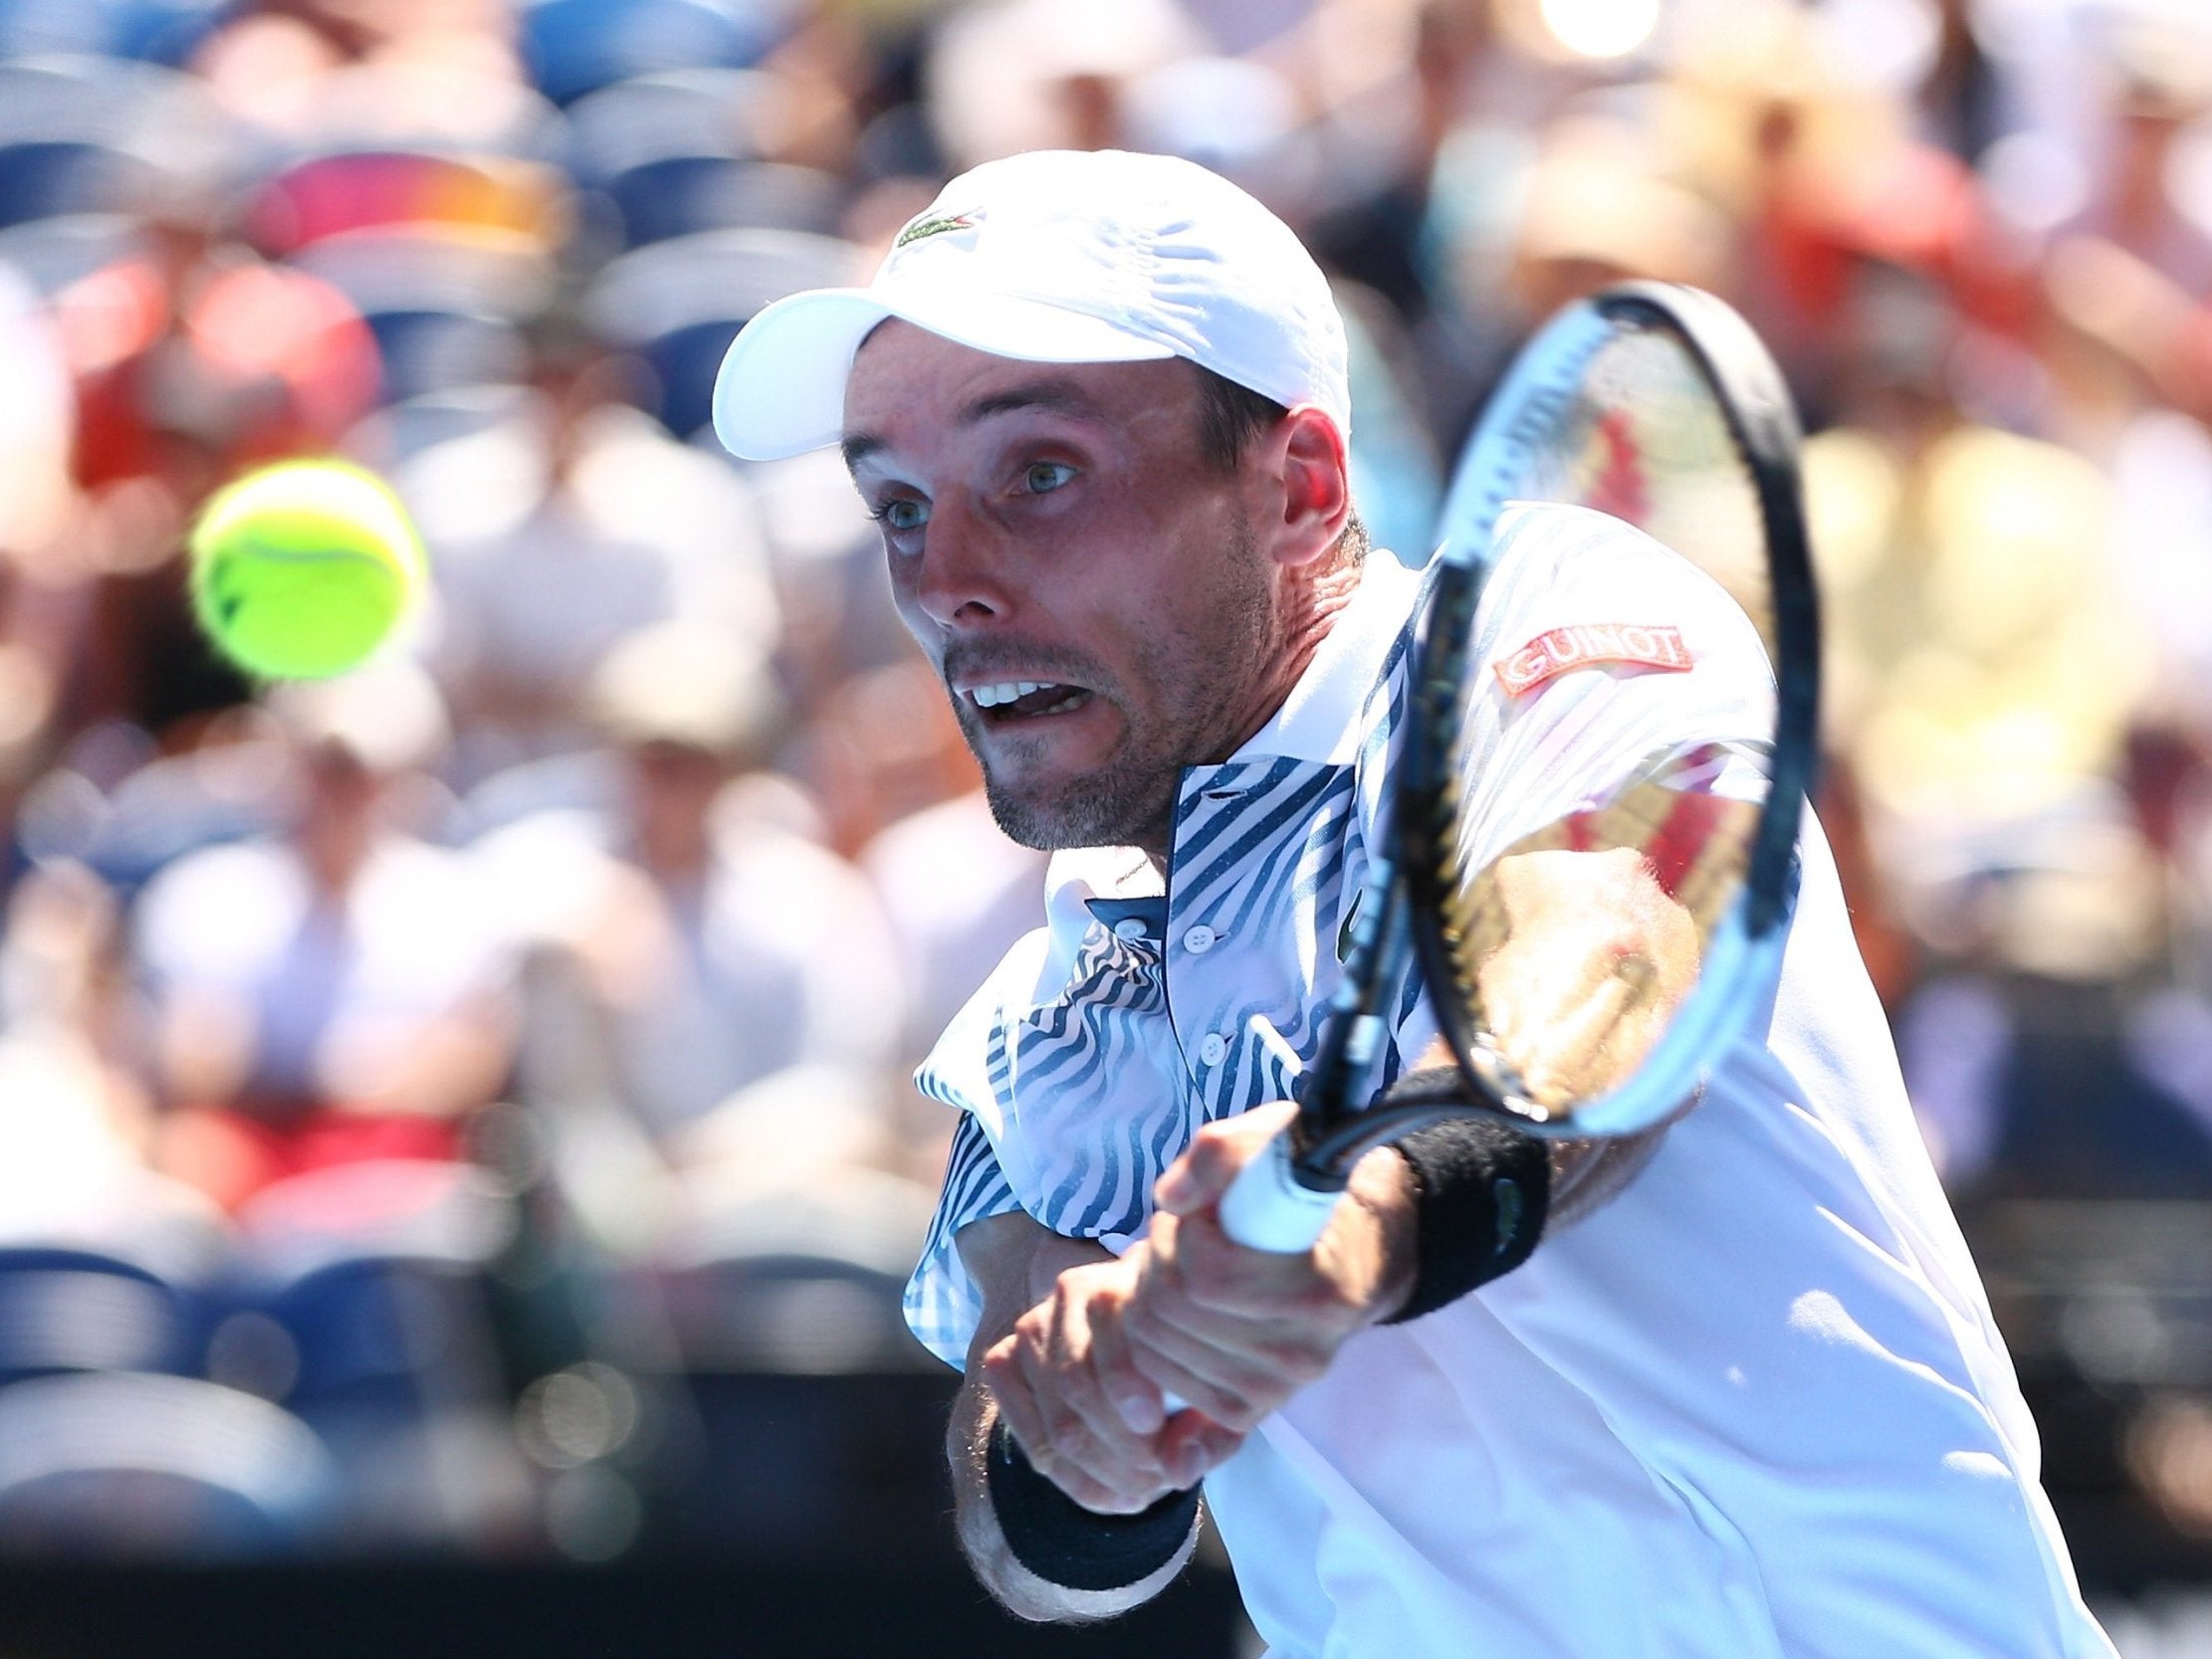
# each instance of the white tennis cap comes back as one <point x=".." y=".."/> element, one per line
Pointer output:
<point x="1058" y="256"/>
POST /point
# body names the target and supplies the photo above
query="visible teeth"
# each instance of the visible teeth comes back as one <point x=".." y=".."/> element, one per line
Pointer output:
<point x="1006" y="691"/>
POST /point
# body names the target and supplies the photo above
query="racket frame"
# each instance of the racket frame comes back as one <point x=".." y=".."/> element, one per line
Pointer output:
<point x="1403" y="898"/>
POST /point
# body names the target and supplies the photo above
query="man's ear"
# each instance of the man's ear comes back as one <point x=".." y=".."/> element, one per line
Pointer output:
<point x="1316" y="479"/>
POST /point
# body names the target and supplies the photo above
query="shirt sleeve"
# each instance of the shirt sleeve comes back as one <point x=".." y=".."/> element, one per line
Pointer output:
<point x="942" y="1304"/>
<point x="1574" y="737"/>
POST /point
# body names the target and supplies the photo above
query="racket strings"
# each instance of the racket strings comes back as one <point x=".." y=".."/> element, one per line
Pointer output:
<point x="1644" y="440"/>
<point x="1695" y="847"/>
<point x="1641" y="435"/>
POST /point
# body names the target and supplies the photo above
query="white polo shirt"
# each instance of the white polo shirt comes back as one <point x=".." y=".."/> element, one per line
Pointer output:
<point x="1754" y="1406"/>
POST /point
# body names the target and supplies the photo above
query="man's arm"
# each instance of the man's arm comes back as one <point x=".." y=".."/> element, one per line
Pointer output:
<point x="1594" y="958"/>
<point x="1081" y="1374"/>
<point x="1018" y="1265"/>
<point x="1236" y="1331"/>
<point x="1231" y="1331"/>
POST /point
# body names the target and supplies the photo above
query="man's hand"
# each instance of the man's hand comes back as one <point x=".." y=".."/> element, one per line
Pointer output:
<point x="1068" y="1384"/>
<point x="1231" y="1332"/>
<point x="1235" y="1332"/>
<point x="1019" y="1265"/>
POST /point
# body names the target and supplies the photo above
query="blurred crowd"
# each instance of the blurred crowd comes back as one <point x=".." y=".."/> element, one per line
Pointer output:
<point x="403" y="1077"/>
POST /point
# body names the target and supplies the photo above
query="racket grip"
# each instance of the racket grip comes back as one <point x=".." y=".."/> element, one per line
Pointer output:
<point x="1266" y="1207"/>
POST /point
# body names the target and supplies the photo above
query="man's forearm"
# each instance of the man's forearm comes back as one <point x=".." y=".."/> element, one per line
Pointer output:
<point x="1022" y="1592"/>
<point x="1017" y="1262"/>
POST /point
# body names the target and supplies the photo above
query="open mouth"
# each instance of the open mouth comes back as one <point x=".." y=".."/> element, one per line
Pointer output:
<point x="1009" y="702"/>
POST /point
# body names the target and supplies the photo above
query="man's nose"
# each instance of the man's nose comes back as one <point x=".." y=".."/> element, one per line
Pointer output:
<point x="961" y="580"/>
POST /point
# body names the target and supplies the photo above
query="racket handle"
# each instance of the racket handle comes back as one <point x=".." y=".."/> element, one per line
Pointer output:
<point x="1266" y="1207"/>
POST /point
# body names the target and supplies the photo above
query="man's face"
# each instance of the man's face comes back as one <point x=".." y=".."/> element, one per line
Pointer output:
<point x="1089" y="587"/>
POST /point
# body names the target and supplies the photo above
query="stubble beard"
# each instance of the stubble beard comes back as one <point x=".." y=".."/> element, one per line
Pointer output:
<point x="1129" y="801"/>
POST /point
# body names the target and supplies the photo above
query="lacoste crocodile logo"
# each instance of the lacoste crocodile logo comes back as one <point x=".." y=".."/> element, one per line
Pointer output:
<point x="937" y="224"/>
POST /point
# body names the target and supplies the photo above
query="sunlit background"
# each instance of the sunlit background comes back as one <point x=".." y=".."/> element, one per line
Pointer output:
<point x="457" y="1163"/>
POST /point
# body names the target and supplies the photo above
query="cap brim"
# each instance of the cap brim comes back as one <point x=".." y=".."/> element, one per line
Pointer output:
<point x="781" y="391"/>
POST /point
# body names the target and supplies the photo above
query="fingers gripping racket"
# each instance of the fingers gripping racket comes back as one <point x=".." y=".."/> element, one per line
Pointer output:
<point x="1655" y="404"/>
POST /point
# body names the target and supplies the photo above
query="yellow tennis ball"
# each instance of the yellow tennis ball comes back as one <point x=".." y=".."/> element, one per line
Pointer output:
<point x="301" y="570"/>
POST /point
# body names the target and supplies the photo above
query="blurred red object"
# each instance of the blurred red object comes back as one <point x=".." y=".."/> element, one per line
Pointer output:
<point x="251" y="361"/>
<point x="233" y="1156"/>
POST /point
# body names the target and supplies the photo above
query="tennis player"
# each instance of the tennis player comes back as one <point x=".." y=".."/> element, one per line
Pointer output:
<point x="1731" y="1390"/>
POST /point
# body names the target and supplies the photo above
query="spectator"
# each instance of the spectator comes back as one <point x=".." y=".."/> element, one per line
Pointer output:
<point x="711" y="942"/>
<point x="415" y="69"/>
<point x="333" y="992"/>
<point x="40" y="597"/>
<point x="2058" y="1059"/>
<point x="956" y="891"/>
<point x="76" y="1118"/>
<point x="1980" y="661"/>
<point x="555" y="533"/>
<point x="193" y="359"/>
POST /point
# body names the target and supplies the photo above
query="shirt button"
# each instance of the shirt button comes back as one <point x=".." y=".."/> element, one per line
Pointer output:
<point x="1212" y="1048"/>
<point x="1199" y="940"/>
<point x="1128" y="926"/>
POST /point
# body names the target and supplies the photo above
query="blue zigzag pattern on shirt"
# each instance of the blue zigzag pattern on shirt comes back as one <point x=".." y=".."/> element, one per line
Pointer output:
<point x="975" y="1188"/>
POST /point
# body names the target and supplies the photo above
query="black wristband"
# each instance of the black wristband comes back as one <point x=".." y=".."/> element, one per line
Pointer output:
<point x="1480" y="1194"/>
<point x="1065" y="1544"/>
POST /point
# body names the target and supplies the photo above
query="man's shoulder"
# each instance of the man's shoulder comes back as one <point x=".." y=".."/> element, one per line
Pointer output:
<point x="1555" y="565"/>
<point x="1578" y="543"/>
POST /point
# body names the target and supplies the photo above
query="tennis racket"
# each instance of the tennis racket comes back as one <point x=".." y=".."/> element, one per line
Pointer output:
<point x="1655" y="404"/>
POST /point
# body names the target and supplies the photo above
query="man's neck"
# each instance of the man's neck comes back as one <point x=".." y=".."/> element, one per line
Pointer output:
<point x="1314" y="607"/>
<point x="1324" y="601"/>
<point x="1311" y="610"/>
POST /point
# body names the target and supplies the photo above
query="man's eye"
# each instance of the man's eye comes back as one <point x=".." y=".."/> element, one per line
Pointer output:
<point x="903" y="514"/>
<point x="1041" y="478"/>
